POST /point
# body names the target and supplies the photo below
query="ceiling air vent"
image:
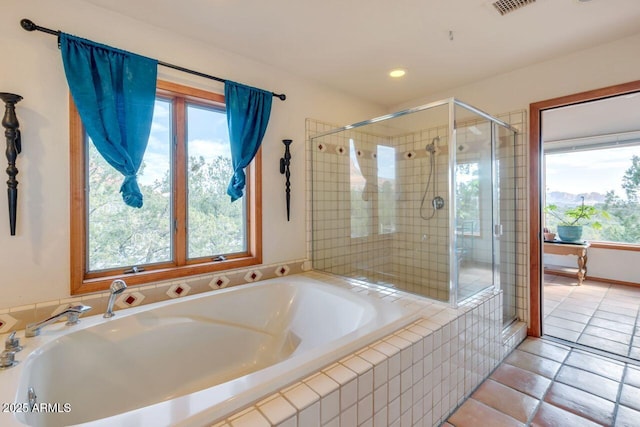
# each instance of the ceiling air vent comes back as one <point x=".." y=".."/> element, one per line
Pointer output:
<point x="505" y="6"/>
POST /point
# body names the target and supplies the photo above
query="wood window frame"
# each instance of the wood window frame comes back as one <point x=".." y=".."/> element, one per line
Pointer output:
<point x="84" y="282"/>
<point x="535" y="187"/>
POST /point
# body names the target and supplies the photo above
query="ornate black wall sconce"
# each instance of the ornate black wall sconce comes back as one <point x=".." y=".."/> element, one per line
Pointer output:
<point x="284" y="169"/>
<point x="14" y="147"/>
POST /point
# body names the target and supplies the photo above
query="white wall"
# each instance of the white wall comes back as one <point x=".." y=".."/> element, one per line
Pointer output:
<point x="35" y="262"/>
<point x="600" y="66"/>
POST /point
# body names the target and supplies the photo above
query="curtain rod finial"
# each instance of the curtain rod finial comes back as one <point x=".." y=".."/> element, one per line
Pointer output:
<point x="28" y="24"/>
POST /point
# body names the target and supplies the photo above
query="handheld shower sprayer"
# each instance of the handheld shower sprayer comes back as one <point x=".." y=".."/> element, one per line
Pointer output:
<point x="437" y="202"/>
<point x="116" y="288"/>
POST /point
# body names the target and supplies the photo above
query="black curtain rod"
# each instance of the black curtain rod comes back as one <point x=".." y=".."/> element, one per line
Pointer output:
<point x="29" y="25"/>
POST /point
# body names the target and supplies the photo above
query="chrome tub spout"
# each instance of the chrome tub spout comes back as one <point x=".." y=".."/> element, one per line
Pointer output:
<point x="71" y="313"/>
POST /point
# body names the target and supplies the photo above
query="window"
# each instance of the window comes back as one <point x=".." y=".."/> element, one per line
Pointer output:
<point x="187" y="224"/>
<point x="607" y="176"/>
<point x="468" y="199"/>
<point x="372" y="182"/>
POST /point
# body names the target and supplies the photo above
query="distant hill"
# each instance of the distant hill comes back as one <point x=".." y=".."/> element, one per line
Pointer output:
<point x="561" y="199"/>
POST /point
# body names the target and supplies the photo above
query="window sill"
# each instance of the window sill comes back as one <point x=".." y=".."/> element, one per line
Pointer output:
<point x="148" y="277"/>
<point x="616" y="246"/>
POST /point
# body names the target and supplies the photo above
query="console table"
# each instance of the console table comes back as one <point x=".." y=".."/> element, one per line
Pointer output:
<point x="577" y="249"/>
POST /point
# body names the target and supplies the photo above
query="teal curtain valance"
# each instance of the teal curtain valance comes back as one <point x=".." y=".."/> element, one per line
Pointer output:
<point x="114" y="92"/>
<point x="248" y="111"/>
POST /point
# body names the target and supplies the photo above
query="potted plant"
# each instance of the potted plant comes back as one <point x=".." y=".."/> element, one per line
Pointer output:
<point x="573" y="219"/>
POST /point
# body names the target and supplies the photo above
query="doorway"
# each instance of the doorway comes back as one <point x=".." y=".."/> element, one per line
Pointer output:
<point x="595" y="300"/>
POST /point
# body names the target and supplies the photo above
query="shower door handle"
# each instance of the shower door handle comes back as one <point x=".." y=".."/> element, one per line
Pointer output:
<point x="497" y="230"/>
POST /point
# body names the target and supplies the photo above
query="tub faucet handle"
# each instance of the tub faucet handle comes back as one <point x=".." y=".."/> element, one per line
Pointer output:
<point x="74" y="312"/>
<point x="12" y="343"/>
<point x="7" y="359"/>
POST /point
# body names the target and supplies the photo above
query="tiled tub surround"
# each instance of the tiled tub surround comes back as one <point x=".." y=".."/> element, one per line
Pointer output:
<point x="15" y="318"/>
<point x="418" y="374"/>
<point x="415" y="377"/>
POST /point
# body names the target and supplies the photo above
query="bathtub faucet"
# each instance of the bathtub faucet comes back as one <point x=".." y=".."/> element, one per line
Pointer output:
<point x="71" y="313"/>
<point x="116" y="288"/>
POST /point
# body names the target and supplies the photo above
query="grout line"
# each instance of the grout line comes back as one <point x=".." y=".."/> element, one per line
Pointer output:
<point x="593" y="350"/>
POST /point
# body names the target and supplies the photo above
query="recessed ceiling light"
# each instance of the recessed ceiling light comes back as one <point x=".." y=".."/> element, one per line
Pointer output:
<point x="398" y="72"/>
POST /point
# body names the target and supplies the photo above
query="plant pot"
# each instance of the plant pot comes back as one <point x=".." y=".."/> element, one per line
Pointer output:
<point x="570" y="233"/>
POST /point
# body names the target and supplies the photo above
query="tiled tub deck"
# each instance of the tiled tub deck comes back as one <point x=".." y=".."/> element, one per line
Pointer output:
<point x="414" y="377"/>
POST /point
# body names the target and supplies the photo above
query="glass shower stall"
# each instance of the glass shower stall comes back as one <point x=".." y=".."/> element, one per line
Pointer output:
<point x="422" y="200"/>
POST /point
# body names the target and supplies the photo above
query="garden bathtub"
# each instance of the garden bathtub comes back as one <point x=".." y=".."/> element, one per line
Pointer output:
<point x="197" y="359"/>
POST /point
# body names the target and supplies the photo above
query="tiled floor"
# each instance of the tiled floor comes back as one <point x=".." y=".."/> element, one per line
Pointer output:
<point x="543" y="383"/>
<point x="596" y="314"/>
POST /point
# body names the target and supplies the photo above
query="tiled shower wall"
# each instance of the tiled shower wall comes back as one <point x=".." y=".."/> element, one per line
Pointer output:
<point x="421" y="245"/>
<point x="419" y="248"/>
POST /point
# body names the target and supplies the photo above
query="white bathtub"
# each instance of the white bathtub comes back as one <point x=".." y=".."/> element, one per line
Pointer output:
<point x="195" y="360"/>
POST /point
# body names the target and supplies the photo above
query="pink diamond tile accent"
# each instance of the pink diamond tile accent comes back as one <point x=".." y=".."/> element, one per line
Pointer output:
<point x="132" y="299"/>
<point x="282" y="270"/>
<point x="178" y="290"/>
<point x="409" y="155"/>
<point x="6" y="323"/>
<point x="219" y="282"/>
<point x="253" y="276"/>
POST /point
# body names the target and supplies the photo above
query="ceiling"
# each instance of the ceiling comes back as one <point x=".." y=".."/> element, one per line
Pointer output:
<point x="351" y="45"/>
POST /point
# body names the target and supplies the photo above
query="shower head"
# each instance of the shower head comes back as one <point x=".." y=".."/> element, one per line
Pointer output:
<point x="431" y="148"/>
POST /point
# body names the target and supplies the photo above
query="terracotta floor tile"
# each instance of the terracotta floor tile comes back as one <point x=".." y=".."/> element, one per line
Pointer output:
<point x="561" y="333"/>
<point x="506" y="400"/>
<point x="596" y="364"/>
<point x="630" y="397"/>
<point x="632" y="376"/>
<point x="576" y="317"/>
<point x="620" y="318"/>
<point x="603" y="344"/>
<point x="612" y="325"/>
<point x="552" y="416"/>
<point x="627" y="417"/>
<point x="522" y="380"/>
<point x="581" y="403"/>
<point x="589" y="382"/>
<point x="533" y="363"/>
<point x="608" y="334"/>
<point x="545" y="349"/>
<point x="585" y="301"/>
<point x="567" y="306"/>
<point x="613" y="308"/>
<point x="634" y="353"/>
<point x="473" y="414"/>
<point x="564" y="323"/>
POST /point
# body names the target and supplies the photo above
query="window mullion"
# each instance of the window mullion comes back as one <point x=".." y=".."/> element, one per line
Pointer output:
<point x="179" y="182"/>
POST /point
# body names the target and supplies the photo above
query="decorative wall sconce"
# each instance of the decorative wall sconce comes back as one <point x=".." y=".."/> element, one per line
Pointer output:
<point x="14" y="147"/>
<point x="284" y="169"/>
